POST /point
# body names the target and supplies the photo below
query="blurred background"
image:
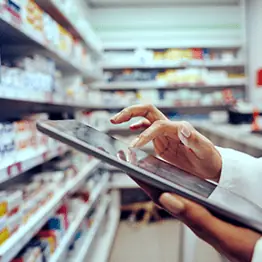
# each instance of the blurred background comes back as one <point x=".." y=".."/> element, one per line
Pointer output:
<point x="196" y="60"/>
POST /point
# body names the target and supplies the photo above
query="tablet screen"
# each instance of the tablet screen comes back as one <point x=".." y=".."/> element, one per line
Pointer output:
<point x="135" y="156"/>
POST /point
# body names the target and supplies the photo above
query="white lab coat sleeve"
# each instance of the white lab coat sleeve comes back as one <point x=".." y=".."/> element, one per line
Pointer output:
<point x="242" y="174"/>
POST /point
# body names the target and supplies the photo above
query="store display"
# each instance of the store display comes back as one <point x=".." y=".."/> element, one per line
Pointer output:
<point x="20" y="202"/>
<point x="182" y="55"/>
<point x="36" y="79"/>
<point x="181" y="77"/>
<point x="183" y="97"/>
<point x="190" y="54"/>
<point x="38" y="25"/>
<point x="20" y="140"/>
<point x="57" y="228"/>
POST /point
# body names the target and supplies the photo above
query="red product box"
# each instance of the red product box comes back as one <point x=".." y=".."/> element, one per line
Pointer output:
<point x="197" y="53"/>
<point x="51" y="236"/>
<point x="63" y="210"/>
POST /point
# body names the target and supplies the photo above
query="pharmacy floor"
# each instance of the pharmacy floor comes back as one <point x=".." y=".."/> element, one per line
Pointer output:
<point x="156" y="242"/>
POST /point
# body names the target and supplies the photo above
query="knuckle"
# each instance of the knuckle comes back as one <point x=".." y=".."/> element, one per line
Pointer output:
<point x="126" y="110"/>
<point x="161" y="123"/>
<point x="150" y="107"/>
<point x="185" y="123"/>
<point x="144" y="136"/>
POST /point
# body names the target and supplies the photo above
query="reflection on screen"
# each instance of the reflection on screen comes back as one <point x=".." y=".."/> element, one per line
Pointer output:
<point x="160" y="168"/>
<point x="138" y="158"/>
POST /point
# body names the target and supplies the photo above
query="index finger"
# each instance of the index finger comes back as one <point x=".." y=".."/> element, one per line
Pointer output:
<point x="149" y="112"/>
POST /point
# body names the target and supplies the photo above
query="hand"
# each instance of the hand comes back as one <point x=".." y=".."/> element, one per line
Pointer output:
<point x="176" y="142"/>
<point x="236" y="243"/>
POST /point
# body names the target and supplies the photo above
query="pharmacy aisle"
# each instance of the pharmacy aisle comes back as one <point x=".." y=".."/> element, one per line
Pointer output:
<point x="87" y="60"/>
<point x="53" y="198"/>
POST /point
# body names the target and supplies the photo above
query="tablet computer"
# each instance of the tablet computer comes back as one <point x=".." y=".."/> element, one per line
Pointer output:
<point x="155" y="172"/>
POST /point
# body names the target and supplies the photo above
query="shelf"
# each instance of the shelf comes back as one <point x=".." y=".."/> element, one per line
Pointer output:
<point x="90" y="236"/>
<point x="106" y="240"/>
<point x="122" y="181"/>
<point x="238" y="134"/>
<point x="62" y="249"/>
<point x="17" y="32"/>
<point x="173" y="64"/>
<point x="83" y="175"/>
<point x="199" y="109"/>
<point x="57" y="11"/>
<point x="13" y="245"/>
<point x="25" y="106"/>
<point x="34" y="159"/>
<point x="171" y="43"/>
<point x="152" y="85"/>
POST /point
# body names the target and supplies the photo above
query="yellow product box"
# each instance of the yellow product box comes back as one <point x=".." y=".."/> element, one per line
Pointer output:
<point x="3" y="209"/>
<point x="34" y="15"/>
<point x="187" y="54"/>
<point x="3" y="205"/>
<point x="77" y="50"/>
<point x="61" y="40"/>
<point x="86" y="59"/>
<point x="173" y="54"/>
<point x="231" y="76"/>
<point x="50" y="238"/>
<point x="161" y="76"/>
<point x="159" y="56"/>
<point x="66" y="40"/>
<point x="34" y="18"/>
<point x="4" y="233"/>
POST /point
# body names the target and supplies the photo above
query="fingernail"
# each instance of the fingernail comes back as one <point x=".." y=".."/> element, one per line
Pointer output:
<point x="172" y="204"/>
<point x="114" y="118"/>
<point x="183" y="139"/>
<point x="134" y="143"/>
<point x="186" y="132"/>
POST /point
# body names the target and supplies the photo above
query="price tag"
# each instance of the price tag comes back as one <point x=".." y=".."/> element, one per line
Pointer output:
<point x="60" y="150"/>
<point x="14" y="169"/>
<point x="45" y="156"/>
<point x="30" y="163"/>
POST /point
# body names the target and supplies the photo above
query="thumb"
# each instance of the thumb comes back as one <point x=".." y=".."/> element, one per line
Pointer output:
<point x="192" y="139"/>
<point x="196" y="217"/>
<point x="235" y="242"/>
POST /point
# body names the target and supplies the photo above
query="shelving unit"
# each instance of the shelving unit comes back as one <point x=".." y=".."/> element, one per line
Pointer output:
<point x="16" y="30"/>
<point x="106" y="239"/>
<point x="62" y="249"/>
<point x="90" y="236"/>
<point x="33" y="160"/>
<point x="57" y="10"/>
<point x="13" y="30"/>
<point x="14" y="244"/>
<point x="19" y="38"/>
